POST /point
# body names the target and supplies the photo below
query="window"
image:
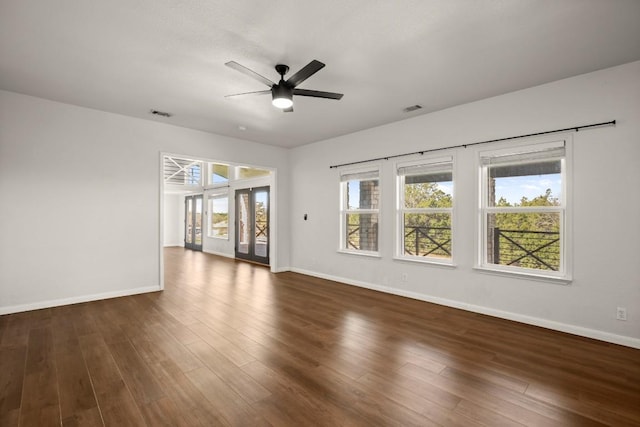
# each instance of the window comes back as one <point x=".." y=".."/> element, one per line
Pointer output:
<point x="219" y="173"/>
<point x="179" y="171"/>
<point x="219" y="215"/>
<point x="248" y="172"/>
<point x="360" y="204"/>
<point x="523" y="208"/>
<point x="425" y="210"/>
<point x="194" y="174"/>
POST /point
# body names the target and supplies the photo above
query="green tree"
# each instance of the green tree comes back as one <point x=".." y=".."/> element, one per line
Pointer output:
<point x="529" y="221"/>
<point x="427" y="233"/>
<point x="529" y="239"/>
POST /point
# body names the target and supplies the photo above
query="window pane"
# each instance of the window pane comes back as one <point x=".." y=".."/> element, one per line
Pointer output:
<point x="244" y="173"/>
<point x="529" y="184"/>
<point x="428" y="191"/>
<point x="219" y="217"/>
<point x="261" y="223"/>
<point x="427" y="235"/>
<point x="198" y="220"/>
<point x="179" y="171"/>
<point x="219" y="173"/>
<point x="362" y="232"/>
<point x="527" y="240"/>
<point x="363" y="194"/>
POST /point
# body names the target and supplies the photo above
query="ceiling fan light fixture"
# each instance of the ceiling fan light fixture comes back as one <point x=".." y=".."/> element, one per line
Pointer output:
<point x="282" y="102"/>
<point x="282" y="97"/>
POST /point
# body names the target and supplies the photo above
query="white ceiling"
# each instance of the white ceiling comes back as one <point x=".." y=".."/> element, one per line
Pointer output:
<point x="131" y="56"/>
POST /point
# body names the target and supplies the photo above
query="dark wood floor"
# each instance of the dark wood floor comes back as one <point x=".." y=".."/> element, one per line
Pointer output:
<point x="229" y="343"/>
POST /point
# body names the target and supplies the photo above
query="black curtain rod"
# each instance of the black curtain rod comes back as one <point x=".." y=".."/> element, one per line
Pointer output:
<point x="431" y="150"/>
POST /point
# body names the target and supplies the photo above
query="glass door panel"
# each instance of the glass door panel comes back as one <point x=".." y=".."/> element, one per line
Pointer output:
<point x="188" y="216"/>
<point x="261" y="207"/>
<point x="244" y="225"/>
<point x="198" y="221"/>
<point x="193" y="222"/>
<point x="252" y="224"/>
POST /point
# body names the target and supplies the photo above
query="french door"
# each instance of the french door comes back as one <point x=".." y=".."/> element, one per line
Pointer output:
<point x="193" y="222"/>
<point x="252" y="224"/>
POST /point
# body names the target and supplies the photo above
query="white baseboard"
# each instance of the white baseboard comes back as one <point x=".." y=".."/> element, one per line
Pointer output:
<point x="222" y="254"/>
<point x="75" y="300"/>
<point x="173" y="245"/>
<point x="536" y="321"/>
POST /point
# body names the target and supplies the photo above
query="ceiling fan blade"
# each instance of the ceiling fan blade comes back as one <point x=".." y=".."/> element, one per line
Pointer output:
<point x="250" y="73"/>
<point x="288" y="110"/>
<point x="260" y="92"/>
<point x="317" y="94"/>
<point x="307" y="71"/>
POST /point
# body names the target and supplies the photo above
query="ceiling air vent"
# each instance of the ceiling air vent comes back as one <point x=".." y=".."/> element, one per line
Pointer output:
<point x="412" y="108"/>
<point x="160" y="113"/>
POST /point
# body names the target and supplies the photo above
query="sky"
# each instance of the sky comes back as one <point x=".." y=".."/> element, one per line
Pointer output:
<point x="531" y="186"/>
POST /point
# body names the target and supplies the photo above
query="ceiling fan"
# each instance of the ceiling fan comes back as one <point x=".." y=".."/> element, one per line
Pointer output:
<point x="283" y="91"/>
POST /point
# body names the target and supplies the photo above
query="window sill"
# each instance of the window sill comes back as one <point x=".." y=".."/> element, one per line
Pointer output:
<point x="360" y="253"/>
<point x="525" y="275"/>
<point x="434" y="262"/>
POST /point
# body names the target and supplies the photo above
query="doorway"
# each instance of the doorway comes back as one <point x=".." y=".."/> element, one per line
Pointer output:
<point x="193" y="222"/>
<point x="252" y="224"/>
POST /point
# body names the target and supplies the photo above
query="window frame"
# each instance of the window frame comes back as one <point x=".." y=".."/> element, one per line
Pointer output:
<point x="401" y="209"/>
<point x="210" y="198"/>
<point x="533" y="149"/>
<point x="344" y="209"/>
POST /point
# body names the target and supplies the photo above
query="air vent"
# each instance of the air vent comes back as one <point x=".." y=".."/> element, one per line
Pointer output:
<point x="160" y="113"/>
<point x="412" y="108"/>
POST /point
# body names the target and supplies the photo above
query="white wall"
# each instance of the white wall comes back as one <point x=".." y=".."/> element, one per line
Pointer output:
<point x="80" y="199"/>
<point x="173" y="220"/>
<point x="606" y="193"/>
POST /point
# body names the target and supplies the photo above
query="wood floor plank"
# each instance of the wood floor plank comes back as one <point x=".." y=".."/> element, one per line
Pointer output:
<point x="16" y="332"/>
<point x="485" y="416"/>
<point x="235" y="354"/>
<point x="12" y="374"/>
<point x="193" y="403"/>
<point x="40" y="401"/>
<point x="135" y="373"/>
<point x="305" y="409"/>
<point x="114" y="398"/>
<point x="415" y="399"/>
<point x="488" y="396"/>
<point x="77" y="397"/>
<point x="87" y="417"/>
<point x="234" y="409"/>
<point x="238" y="380"/>
<point x="4" y="323"/>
